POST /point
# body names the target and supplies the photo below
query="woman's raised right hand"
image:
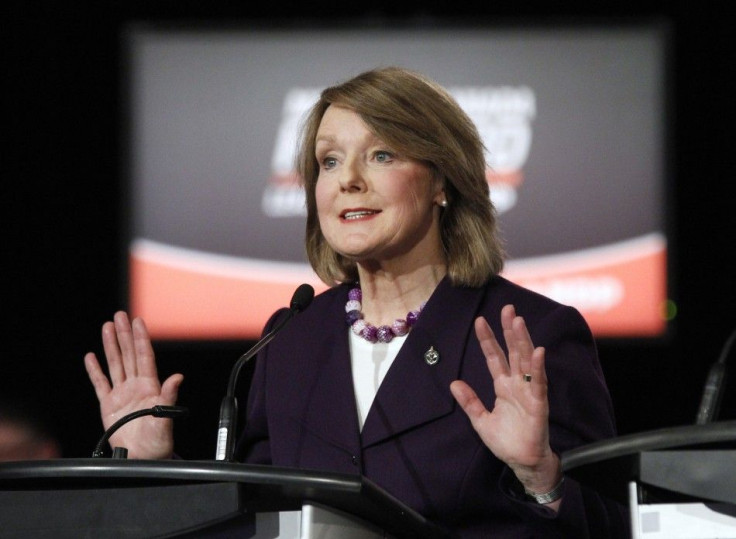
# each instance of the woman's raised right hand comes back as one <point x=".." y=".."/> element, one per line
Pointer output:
<point x="133" y="385"/>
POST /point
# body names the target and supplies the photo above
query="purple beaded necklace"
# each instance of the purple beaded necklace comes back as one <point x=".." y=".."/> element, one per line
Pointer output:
<point x="371" y="333"/>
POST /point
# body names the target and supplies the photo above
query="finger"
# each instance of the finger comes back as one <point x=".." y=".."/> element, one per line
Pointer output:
<point x="522" y="344"/>
<point x="495" y="357"/>
<point x="518" y="341"/>
<point x="126" y="342"/>
<point x="508" y="313"/>
<point x="99" y="381"/>
<point x="170" y="388"/>
<point x="112" y="353"/>
<point x="145" y="357"/>
<point x="539" y="374"/>
<point x="468" y="400"/>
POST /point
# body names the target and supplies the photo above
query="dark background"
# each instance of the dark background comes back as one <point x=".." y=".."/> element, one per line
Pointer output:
<point x="64" y="218"/>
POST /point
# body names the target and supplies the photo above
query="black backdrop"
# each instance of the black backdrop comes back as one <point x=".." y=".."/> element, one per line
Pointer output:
<point x="63" y="215"/>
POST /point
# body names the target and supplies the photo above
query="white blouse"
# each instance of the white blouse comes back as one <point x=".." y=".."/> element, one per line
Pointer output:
<point x="370" y="363"/>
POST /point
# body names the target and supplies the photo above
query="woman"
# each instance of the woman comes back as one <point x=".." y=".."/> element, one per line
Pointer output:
<point x="421" y="368"/>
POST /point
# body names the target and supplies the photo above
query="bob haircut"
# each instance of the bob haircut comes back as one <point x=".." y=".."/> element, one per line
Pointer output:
<point x="419" y="119"/>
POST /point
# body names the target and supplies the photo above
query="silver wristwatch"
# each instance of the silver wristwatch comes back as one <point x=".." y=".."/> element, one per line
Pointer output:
<point x="547" y="497"/>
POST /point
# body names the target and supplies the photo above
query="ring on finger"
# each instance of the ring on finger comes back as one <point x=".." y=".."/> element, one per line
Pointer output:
<point x="527" y="377"/>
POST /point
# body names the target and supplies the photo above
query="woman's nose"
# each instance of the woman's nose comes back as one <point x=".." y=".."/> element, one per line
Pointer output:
<point x="351" y="176"/>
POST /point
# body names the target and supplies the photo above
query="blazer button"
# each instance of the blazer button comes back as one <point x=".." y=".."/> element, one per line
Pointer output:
<point x="355" y="460"/>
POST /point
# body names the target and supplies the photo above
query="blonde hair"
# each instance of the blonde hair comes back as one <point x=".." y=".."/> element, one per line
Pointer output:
<point x="419" y="119"/>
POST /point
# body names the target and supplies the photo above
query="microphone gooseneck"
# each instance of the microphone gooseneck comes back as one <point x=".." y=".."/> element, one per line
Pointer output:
<point x="229" y="407"/>
<point x="713" y="389"/>
<point x="159" y="410"/>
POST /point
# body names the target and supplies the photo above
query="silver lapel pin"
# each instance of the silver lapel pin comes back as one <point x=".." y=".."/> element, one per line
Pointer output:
<point x="431" y="356"/>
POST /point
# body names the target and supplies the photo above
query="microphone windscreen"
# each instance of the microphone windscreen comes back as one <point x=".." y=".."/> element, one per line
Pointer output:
<point x="302" y="297"/>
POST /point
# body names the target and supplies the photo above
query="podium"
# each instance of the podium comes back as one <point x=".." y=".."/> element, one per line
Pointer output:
<point x="118" y="498"/>
<point x="678" y="482"/>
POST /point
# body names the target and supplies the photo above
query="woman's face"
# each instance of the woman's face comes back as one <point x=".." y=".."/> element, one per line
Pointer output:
<point x="374" y="205"/>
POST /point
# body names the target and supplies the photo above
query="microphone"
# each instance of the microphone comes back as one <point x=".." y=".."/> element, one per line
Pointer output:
<point x="229" y="407"/>
<point x="713" y="389"/>
<point x="157" y="411"/>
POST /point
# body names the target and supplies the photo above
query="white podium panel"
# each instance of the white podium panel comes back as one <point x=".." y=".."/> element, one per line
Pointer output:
<point x="315" y="522"/>
<point x="681" y="520"/>
<point x="684" y="521"/>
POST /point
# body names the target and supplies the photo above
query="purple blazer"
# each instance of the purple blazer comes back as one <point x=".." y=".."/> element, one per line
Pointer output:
<point x="417" y="443"/>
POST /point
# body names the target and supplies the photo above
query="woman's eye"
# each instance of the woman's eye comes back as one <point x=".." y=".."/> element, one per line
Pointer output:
<point x="383" y="156"/>
<point x="329" y="162"/>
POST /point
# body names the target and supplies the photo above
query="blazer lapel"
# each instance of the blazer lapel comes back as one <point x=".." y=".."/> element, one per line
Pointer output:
<point x="329" y="410"/>
<point x="414" y="391"/>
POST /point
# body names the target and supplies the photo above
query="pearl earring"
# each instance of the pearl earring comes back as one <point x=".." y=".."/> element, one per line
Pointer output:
<point x="443" y="203"/>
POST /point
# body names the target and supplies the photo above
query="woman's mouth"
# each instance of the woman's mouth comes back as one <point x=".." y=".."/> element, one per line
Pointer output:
<point x="351" y="215"/>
